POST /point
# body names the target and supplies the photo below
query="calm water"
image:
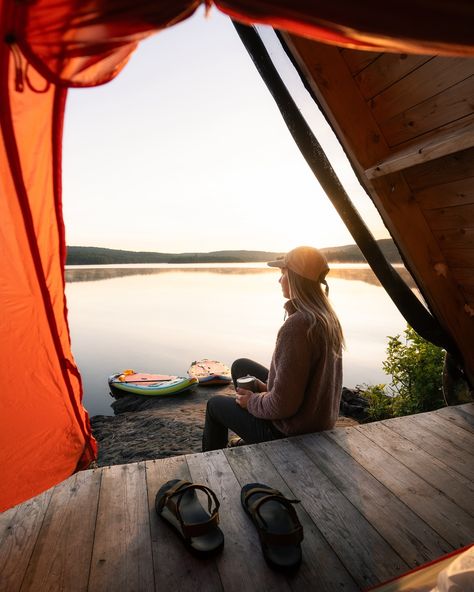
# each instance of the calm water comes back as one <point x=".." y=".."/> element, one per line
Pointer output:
<point x="157" y="318"/>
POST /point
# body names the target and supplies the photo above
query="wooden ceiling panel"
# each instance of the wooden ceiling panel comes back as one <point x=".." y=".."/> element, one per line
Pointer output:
<point x="450" y="105"/>
<point x="387" y="70"/>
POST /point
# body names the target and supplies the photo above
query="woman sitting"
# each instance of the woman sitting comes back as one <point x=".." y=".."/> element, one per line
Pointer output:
<point x="301" y="391"/>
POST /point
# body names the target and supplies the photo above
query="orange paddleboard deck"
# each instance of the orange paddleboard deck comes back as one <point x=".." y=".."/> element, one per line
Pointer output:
<point x="209" y="372"/>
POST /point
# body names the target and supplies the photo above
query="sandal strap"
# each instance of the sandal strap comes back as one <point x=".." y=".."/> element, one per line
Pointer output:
<point x="193" y="529"/>
<point x="293" y="537"/>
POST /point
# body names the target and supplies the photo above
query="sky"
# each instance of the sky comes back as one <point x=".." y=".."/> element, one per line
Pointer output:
<point x="186" y="151"/>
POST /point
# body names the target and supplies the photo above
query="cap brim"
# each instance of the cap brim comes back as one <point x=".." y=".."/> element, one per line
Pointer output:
<point x="278" y="263"/>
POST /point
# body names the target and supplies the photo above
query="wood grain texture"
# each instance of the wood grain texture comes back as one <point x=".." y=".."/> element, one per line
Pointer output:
<point x="242" y="546"/>
<point x="455" y="168"/>
<point x="469" y="408"/>
<point x="386" y="70"/>
<point x="426" y="147"/>
<point x="454" y="217"/>
<point x="453" y="104"/>
<point x="19" y="529"/>
<point x="455" y="238"/>
<point x="320" y="569"/>
<point x="358" y="60"/>
<point x="455" y="193"/>
<point x="451" y="522"/>
<point x="443" y="448"/>
<point x="457" y="437"/>
<point x="429" y="80"/>
<point x="122" y="556"/>
<point x="410" y="536"/>
<point x="172" y="562"/>
<point x="63" y="551"/>
<point x="438" y="474"/>
<point x="458" y="415"/>
<point x="368" y="557"/>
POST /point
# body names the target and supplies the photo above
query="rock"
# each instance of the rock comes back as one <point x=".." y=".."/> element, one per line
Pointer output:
<point x="145" y="428"/>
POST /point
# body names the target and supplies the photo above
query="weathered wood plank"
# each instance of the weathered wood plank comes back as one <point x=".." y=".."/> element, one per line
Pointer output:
<point x="242" y="546"/>
<point x="320" y="569"/>
<point x="441" y="447"/>
<point x="358" y="60"/>
<point x="455" y="193"/>
<point x="122" y="557"/>
<point x="455" y="167"/>
<point x="410" y="536"/>
<point x="386" y="70"/>
<point x="457" y="437"/>
<point x="469" y="408"/>
<point x="433" y="471"/>
<point x="63" y="550"/>
<point x="451" y="522"/>
<point x="430" y="79"/>
<point x="365" y="554"/>
<point x="19" y="528"/>
<point x="452" y="104"/>
<point x="455" y="217"/>
<point x="429" y="146"/>
<point x="458" y="415"/>
<point x="172" y="562"/>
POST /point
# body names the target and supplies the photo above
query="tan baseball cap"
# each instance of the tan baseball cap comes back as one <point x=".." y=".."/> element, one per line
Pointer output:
<point x="305" y="261"/>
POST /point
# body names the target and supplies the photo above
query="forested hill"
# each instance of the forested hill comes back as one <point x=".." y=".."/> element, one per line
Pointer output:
<point x="101" y="256"/>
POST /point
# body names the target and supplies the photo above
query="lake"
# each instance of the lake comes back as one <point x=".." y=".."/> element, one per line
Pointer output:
<point x="160" y="318"/>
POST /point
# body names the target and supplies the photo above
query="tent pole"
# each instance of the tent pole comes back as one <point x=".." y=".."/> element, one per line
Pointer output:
<point x="407" y="303"/>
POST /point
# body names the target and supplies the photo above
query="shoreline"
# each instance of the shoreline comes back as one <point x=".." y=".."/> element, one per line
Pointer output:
<point x="147" y="428"/>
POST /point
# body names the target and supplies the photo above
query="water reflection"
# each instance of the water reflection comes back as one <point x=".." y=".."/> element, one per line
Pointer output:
<point x="97" y="274"/>
<point x="362" y="273"/>
<point x="160" y="318"/>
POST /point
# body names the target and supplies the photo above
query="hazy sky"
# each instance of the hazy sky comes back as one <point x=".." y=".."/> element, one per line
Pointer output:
<point x="186" y="151"/>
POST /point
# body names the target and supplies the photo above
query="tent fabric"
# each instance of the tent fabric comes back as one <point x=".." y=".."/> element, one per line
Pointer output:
<point x="47" y="46"/>
<point x="45" y="434"/>
<point x="405" y="26"/>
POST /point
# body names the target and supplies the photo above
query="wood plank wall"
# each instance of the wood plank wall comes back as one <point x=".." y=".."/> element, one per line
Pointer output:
<point x="412" y="95"/>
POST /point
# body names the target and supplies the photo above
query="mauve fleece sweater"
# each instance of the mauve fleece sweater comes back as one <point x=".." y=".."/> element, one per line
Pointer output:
<point x="304" y="382"/>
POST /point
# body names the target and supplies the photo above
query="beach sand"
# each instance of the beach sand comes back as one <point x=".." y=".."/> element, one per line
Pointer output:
<point x="145" y="428"/>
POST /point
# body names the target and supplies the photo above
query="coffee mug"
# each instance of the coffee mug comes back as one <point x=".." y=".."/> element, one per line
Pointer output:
<point x="247" y="382"/>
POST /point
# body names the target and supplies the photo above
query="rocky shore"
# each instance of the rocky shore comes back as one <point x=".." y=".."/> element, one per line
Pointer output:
<point x="146" y="428"/>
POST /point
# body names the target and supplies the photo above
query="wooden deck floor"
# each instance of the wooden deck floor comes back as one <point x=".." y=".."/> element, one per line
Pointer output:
<point x="376" y="501"/>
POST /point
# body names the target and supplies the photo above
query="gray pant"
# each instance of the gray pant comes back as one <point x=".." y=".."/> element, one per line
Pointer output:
<point x="223" y="413"/>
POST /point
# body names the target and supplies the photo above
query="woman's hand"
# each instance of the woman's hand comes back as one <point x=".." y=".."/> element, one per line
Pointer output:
<point x="242" y="397"/>
<point x="261" y="386"/>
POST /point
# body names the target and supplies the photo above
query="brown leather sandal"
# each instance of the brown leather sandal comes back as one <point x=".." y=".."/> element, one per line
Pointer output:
<point x="177" y="503"/>
<point x="277" y="524"/>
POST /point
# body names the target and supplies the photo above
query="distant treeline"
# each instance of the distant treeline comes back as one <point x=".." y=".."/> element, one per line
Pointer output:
<point x="101" y="256"/>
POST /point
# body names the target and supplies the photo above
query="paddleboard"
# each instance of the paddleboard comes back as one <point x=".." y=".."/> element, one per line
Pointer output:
<point x="139" y="383"/>
<point x="209" y="372"/>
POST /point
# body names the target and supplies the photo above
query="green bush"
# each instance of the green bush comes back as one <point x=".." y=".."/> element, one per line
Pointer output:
<point x="416" y="369"/>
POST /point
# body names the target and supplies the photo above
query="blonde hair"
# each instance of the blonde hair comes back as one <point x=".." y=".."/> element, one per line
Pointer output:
<point x="309" y="298"/>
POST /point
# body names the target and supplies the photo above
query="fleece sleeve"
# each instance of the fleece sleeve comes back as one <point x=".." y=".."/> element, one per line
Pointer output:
<point x="292" y="363"/>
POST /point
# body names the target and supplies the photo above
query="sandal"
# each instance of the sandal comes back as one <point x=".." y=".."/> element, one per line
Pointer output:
<point x="177" y="503"/>
<point x="277" y="523"/>
<point x="235" y="441"/>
